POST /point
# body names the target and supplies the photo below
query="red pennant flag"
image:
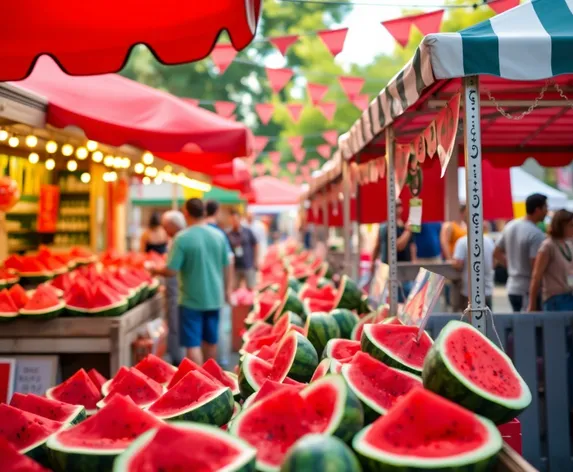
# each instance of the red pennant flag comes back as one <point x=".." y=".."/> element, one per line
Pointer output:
<point x="192" y="101"/>
<point x="225" y="109"/>
<point x="361" y="101"/>
<point x="260" y="168"/>
<point x="295" y="141"/>
<point x="278" y="78"/>
<point x="328" y="109"/>
<point x="298" y="154"/>
<point x="265" y="112"/>
<point x="295" y="110"/>
<point x="333" y="40"/>
<point x="317" y="92"/>
<point x="260" y="143"/>
<point x="427" y="23"/>
<point x="324" y="150"/>
<point x="282" y="43"/>
<point x="305" y="171"/>
<point x="222" y="56"/>
<point x="291" y="167"/>
<point x="232" y="117"/>
<point x="500" y="6"/>
<point x="351" y="85"/>
<point x="331" y="137"/>
<point x="275" y="156"/>
<point x="314" y="164"/>
<point x="274" y="170"/>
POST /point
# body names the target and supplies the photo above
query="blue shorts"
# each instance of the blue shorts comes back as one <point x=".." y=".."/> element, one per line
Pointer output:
<point x="196" y="326"/>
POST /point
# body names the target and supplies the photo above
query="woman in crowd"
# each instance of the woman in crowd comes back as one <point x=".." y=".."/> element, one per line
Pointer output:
<point x="154" y="238"/>
<point x="553" y="269"/>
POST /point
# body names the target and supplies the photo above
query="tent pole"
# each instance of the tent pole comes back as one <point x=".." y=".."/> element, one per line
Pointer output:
<point x="325" y="215"/>
<point x="346" y="223"/>
<point x="391" y="225"/>
<point x="359" y="241"/>
<point x="474" y="201"/>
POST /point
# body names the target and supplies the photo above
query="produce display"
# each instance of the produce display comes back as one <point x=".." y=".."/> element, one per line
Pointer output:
<point x="322" y="388"/>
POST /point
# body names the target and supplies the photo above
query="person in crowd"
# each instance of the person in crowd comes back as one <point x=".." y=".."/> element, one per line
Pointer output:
<point x="259" y="229"/>
<point x="198" y="255"/>
<point x="553" y="268"/>
<point x="405" y="247"/>
<point x="212" y="210"/>
<point x="517" y="249"/>
<point x="450" y="233"/>
<point x="154" y="237"/>
<point x="173" y="221"/>
<point x="428" y="243"/>
<point x="245" y="247"/>
<point x="460" y="262"/>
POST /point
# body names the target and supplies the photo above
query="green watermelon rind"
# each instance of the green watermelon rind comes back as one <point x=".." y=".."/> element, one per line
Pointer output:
<point x="478" y="460"/>
<point x="247" y="384"/>
<point x="346" y="320"/>
<point x="244" y="463"/>
<point x="349" y="295"/>
<point x="319" y="337"/>
<point x="440" y="376"/>
<point x="291" y="303"/>
<point x="35" y="278"/>
<point x="115" y="309"/>
<point x="8" y="316"/>
<point x="330" y="346"/>
<point x="235" y="390"/>
<point x="154" y="287"/>
<point x="46" y="314"/>
<point x="349" y="414"/>
<point x="380" y="352"/>
<point x="305" y="359"/>
<point x="215" y="409"/>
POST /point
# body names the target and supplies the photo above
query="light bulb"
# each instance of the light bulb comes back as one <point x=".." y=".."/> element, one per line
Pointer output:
<point x="139" y="168"/>
<point x="51" y="147"/>
<point x="85" y="178"/>
<point x="50" y="164"/>
<point x="81" y="153"/>
<point x="117" y="162"/>
<point x="125" y="162"/>
<point x="147" y="158"/>
<point x="97" y="156"/>
<point x="3" y="135"/>
<point x="151" y="172"/>
<point x="168" y="169"/>
<point x="108" y="161"/>
<point x="31" y="141"/>
<point x="67" y="150"/>
<point x="13" y="142"/>
<point x="72" y="166"/>
<point x="158" y="180"/>
<point x="91" y="145"/>
<point x="146" y="180"/>
<point x="33" y="158"/>
<point x="112" y="176"/>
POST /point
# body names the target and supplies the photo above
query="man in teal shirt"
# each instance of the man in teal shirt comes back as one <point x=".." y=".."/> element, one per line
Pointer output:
<point x="199" y="257"/>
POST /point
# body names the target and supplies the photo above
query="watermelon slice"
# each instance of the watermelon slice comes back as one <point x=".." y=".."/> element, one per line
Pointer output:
<point x="297" y="354"/>
<point x="52" y="409"/>
<point x="396" y="345"/>
<point x="322" y="369"/>
<point x="98" y="379"/>
<point x="137" y="386"/>
<point x="62" y="282"/>
<point x="8" y="277"/>
<point x="467" y="368"/>
<point x="236" y="410"/>
<point x="8" y="309"/>
<point x="13" y="461"/>
<point x="199" y="448"/>
<point x="268" y="388"/>
<point x="257" y="329"/>
<point x="227" y="379"/>
<point x="93" y="444"/>
<point x="44" y="304"/>
<point x="371" y="318"/>
<point x="33" y="270"/>
<point x="82" y="255"/>
<point x="341" y="349"/>
<point x="376" y="385"/>
<point x="253" y="372"/>
<point x="107" y="302"/>
<point x="157" y="369"/>
<point x="77" y="390"/>
<point x="184" y="368"/>
<point x="427" y="432"/>
<point x="328" y="451"/>
<point x="19" y="296"/>
<point x="108" y="385"/>
<point x="195" y="398"/>
<point x="263" y="309"/>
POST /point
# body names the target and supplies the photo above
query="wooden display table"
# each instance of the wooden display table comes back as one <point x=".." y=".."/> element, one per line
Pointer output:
<point x="82" y="337"/>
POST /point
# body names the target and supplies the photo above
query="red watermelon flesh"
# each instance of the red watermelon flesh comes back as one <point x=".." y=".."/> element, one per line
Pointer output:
<point x="259" y="328"/>
<point x="115" y="284"/>
<point x="315" y="305"/>
<point x="13" y="262"/>
<point x="321" y="370"/>
<point x="128" y="279"/>
<point x="342" y="349"/>
<point x="110" y="384"/>
<point x="13" y="461"/>
<point x="215" y="370"/>
<point x="7" y="304"/>
<point x="425" y="425"/>
<point x="289" y="381"/>
<point x="41" y="406"/>
<point x="31" y="265"/>
<point x="18" y="295"/>
<point x="96" y="378"/>
<point x="254" y="345"/>
<point x="137" y="386"/>
<point x="267" y="353"/>
<point x="104" y="296"/>
<point x="113" y="427"/>
<point x="184" y="368"/>
<point x="321" y="401"/>
<point x="77" y="390"/>
<point x="156" y="368"/>
<point x="24" y="429"/>
<point x="370" y="318"/>
<point x="262" y="370"/>
<point x="52" y="263"/>
<point x="79" y="297"/>
<point x="270" y="387"/>
<point x="44" y="297"/>
<point x="62" y="282"/>
<point x="264" y="308"/>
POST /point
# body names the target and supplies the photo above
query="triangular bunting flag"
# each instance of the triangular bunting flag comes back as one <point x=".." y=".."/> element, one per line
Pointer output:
<point x="260" y="143"/>
<point x="275" y="156"/>
<point x="282" y="43"/>
<point x="298" y="154"/>
<point x="232" y="117"/>
<point x="317" y="92"/>
<point x="429" y="23"/>
<point x="328" y="109"/>
<point x="333" y="40"/>
<point x="324" y="150"/>
<point x="314" y="164"/>
<point x="351" y="85"/>
<point x="360" y="101"/>
<point x="192" y="101"/>
<point x="295" y="141"/>
<point x="295" y="110"/>
<point x="222" y="56"/>
<point x="278" y="78"/>
<point x="274" y="170"/>
<point x="265" y="112"/>
<point x="331" y="137"/>
<point x="305" y="171"/>
<point x="499" y="6"/>
<point x="291" y="167"/>
<point x="225" y="109"/>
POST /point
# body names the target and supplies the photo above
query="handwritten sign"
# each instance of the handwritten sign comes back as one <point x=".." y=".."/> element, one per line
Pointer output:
<point x="48" y="205"/>
<point x="7" y="373"/>
<point x="379" y="286"/>
<point x="35" y="374"/>
<point x="415" y="215"/>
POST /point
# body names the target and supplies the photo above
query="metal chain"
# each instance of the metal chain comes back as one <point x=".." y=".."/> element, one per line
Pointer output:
<point x="522" y="115"/>
<point x="562" y="94"/>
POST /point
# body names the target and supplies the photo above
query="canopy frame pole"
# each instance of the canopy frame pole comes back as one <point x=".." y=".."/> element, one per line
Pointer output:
<point x="359" y="240"/>
<point x="474" y="201"/>
<point x="391" y="229"/>
<point x="325" y="215"/>
<point x="346" y="223"/>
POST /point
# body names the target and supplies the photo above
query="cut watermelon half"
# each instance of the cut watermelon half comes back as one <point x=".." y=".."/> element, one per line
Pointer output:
<point x="341" y="349"/>
<point x="253" y="372"/>
<point x="322" y="369"/>
<point x="19" y="296"/>
<point x="297" y="354"/>
<point x="44" y="304"/>
<point x="255" y="344"/>
<point x="427" y="432"/>
<point x="98" y="379"/>
<point x="52" y="409"/>
<point x="227" y="379"/>
<point x="268" y="388"/>
<point x="8" y="309"/>
<point x="13" y="461"/>
<point x="93" y="444"/>
<point x="396" y="345"/>
<point x="199" y="448"/>
<point x="376" y="385"/>
<point x="137" y="386"/>
<point x="467" y="368"/>
<point x="157" y="369"/>
<point x="195" y="398"/>
<point x="77" y="390"/>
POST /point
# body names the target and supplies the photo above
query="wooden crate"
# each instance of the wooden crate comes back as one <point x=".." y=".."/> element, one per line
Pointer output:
<point x="511" y="461"/>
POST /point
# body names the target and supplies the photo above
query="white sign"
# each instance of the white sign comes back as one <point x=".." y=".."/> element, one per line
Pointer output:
<point x="35" y="374"/>
<point x="379" y="286"/>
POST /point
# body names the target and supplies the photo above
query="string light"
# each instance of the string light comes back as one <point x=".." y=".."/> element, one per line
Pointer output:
<point x="146" y="180"/>
<point x="3" y="135"/>
<point x="13" y="142"/>
<point x="85" y="178"/>
<point x="108" y="161"/>
<point x="81" y="153"/>
<point x="97" y="156"/>
<point x="72" y="165"/>
<point x="117" y="162"/>
<point x="151" y="172"/>
<point x="31" y="141"/>
<point x="126" y="162"/>
<point x="51" y="147"/>
<point x="91" y="145"/>
<point x="168" y="169"/>
<point x="158" y="181"/>
<point x="147" y="158"/>
<point x="33" y="158"/>
<point x="67" y="150"/>
<point x="109" y="177"/>
<point x="50" y="164"/>
<point x="139" y="168"/>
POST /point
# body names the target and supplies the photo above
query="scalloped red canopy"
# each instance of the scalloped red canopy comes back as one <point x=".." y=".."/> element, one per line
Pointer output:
<point x="91" y="37"/>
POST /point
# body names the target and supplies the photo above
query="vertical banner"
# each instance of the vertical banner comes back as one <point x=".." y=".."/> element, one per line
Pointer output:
<point x="447" y="128"/>
<point x="48" y="206"/>
<point x="401" y="170"/>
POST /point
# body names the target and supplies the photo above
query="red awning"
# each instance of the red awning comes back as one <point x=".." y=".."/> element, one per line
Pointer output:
<point x="271" y="191"/>
<point x="114" y="110"/>
<point x="95" y="37"/>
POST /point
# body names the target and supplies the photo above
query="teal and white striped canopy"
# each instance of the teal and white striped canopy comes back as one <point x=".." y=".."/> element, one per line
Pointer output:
<point x="530" y="42"/>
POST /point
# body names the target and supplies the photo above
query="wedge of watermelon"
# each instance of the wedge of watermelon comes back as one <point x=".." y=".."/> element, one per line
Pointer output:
<point x="184" y="368"/>
<point x="13" y="461"/>
<point x="52" y="409"/>
<point x="19" y="296"/>
<point x="268" y="388"/>
<point x="227" y="379"/>
<point x="62" y="282"/>
<point x="77" y="390"/>
<point x="108" y="385"/>
<point x="263" y="309"/>
<point x="137" y="386"/>
<point x="8" y="309"/>
<point x="98" y="379"/>
<point x="44" y="304"/>
<point x="107" y="302"/>
<point x="157" y="369"/>
<point x="33" y="271"/>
